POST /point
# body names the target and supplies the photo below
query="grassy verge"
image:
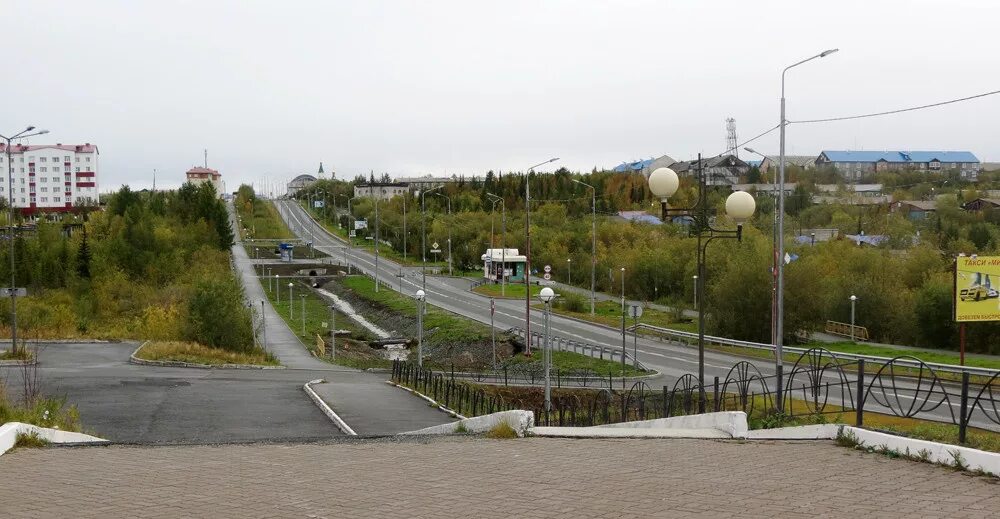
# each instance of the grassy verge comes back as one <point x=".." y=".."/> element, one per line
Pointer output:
<point x="199" y="354"/>
<point x="512" y="291"/>
<point x="567" y="361"/>
<point x="939" y="357"/>
<point x="609" y="313"/>
<point x="264" y="223"/>
<point x="43" y="412"/>
<point x="22" y="354"/>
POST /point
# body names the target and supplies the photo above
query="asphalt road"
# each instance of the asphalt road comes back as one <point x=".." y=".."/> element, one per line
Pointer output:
<point x="671" y="360"/>
<point x="124" y="402"/>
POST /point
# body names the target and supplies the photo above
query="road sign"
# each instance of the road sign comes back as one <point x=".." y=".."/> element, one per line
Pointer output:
<point x="547" y="276"/>
<point x="635" y="311"/>
<point x="360" y="224"/>
<point x="352" y="234"/>
<point x="547" y="269"/>
<point x="493" y="306"/>
<point x="324" y="325"/>
<point x="15" y="292"/>
<point x="435" y="245"/>
<point x="318" y="203"/>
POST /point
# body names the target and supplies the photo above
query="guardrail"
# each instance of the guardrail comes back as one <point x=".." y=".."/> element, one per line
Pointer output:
<point x="690" y="336"/>
<point x="597" y="351"/>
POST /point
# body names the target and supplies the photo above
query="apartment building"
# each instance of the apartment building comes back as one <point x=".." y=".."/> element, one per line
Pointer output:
<point x="854" y="164"/>
<point x="50" y="177"/>
<point x="198" y="174"/>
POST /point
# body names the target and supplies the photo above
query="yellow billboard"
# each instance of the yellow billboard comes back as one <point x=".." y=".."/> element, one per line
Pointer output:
<point x="977" y="281"/>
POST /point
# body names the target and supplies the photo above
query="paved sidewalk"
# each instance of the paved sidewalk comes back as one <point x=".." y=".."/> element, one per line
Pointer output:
<point x="473" y="477"/>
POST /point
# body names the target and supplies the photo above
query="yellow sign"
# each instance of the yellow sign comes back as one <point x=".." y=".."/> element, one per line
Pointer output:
<point x="977" y="281"/>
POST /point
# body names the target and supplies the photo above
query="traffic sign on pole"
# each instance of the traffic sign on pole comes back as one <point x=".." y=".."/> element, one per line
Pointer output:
<point x="635" y="311"/>
<point x="13" y="292"/>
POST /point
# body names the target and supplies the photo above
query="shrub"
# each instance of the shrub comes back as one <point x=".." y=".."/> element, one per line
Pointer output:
<point x="571" y="302"/>
<point x="217" y="317"/>
<point x="502" y="431"/>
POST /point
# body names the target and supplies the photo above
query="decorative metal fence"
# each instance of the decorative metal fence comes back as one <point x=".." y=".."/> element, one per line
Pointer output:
<point x="818" y="383"/>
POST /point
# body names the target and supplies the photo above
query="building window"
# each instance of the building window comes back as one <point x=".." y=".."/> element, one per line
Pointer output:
<point x="45" y="199"/>
<point x="55" y="179"/>
<point x="44" y="179"/>
<point x="78" y="159"/>
<point x="22" y="170"/>
<point x="66" y="158"/>
<point x="45" y="189"/>
<point x="78" y="169"/>
<point x="22" y="189"/>
<point x="43" y="170"/>
<point x="56" y="199"/>
<point x="55" y="159"/>
<point x="55" y="169"/>
<point x="22" y="160"/>
<point x="88" y="159"/>
<point x="42" y="159"/>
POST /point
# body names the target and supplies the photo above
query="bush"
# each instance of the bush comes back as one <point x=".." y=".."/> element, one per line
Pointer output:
<point x="217" y="317"/>
<point x="571" y="302"/>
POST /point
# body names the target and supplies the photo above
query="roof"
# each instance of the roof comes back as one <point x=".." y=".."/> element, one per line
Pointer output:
<point x="303" y="178"/>
<point x="638" y="165"/>
<point x="509" y="255"/>
<point x="21" y="148"/>
<point x="639" y="216"/>
<point x="857" y="188"/>
<point x="197" y="170"/>
<point x="923" y="205"/>
<point x="995" y="202"/>
<point x="764" y="188"/>
<point x="899" y="156"/>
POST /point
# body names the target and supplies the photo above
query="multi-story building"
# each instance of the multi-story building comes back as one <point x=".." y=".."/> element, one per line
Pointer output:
<point x="49" y="177"/>
<point x="853" y="165"/>
<point x="381" y="190"/>
<point x="198" y="174"/>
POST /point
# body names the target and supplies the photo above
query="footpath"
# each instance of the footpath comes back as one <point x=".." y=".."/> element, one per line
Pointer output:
<point x="362" y="399"/>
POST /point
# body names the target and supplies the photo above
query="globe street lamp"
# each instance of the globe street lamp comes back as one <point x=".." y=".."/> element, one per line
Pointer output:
<point x="740" y="206"/>
<point x="291" y="301"/>
<point x="546" y="295"/>
<point x="420" y="296"/>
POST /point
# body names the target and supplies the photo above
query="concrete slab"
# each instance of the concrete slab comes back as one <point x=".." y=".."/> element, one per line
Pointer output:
<point x="371" y="407"/>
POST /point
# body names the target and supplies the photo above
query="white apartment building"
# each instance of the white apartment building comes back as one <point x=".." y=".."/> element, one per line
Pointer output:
<point x="50" y="177"/>
<point x="198" y="175"/>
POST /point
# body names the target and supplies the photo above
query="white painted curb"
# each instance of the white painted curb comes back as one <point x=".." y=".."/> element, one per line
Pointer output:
<point x="629" y="432"/>
<point x="10" y="430"/>
<point x="520" y="421"/>
<point x="942" y="453"/>
<point x="340" y="423"/>
<point x="733" y="423"/>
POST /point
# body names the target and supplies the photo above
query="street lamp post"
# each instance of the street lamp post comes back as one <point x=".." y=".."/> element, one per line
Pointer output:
<point x="448" y="198"/>
<point x="376" y="243"/>
<point x="527" y="253"/>
<point x="291" y="301"/>
<point x="27" y="132"/>
<point x="546" y="295"/>
<point x="780" y="286"/>
<point x="423" y="236"/>
<point x="695" y="279"/>
<point x="774" y="252"/>
<point x="593" y="245"/>
<point x="303" y="312"/>
<point x="277" y="288"/>
<point x="569" y="271"/>
<point x="854" y="299"/>
<point x="333" y="332"/>
<point x="420" y="297"/>
<point x="663" y="183"/>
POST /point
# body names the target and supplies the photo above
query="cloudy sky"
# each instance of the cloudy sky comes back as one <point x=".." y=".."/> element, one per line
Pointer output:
<point x="407" y="87"/>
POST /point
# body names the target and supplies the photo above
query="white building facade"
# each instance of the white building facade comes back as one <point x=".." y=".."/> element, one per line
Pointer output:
<point x="50" y="177"/>
<point x="198" y="175"/>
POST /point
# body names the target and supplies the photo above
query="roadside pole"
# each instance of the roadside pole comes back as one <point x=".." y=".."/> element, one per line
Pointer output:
<point x="333" y="332"/>
<point x="303" y="297"/>
<point x="493" y="331"/>
<point x="263" y="326"/>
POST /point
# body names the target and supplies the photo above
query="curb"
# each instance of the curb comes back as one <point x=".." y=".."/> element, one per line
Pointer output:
<point x="429" y="399"/>
<point x="18" y="363"/>
<point x="179" y="364"/>
<point x="339" y="422"/>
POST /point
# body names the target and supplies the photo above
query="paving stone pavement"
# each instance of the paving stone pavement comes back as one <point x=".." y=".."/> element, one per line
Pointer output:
<point x="475" y="477"/>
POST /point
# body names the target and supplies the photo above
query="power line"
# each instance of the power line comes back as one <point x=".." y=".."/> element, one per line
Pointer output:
<point x="890" y="112"/>
<point x="744" y="143"/>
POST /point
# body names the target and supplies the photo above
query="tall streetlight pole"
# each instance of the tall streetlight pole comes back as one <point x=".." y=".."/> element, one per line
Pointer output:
<point x="493" y="207"/>
<point x="405" y="195"/>
<point x="23" y="134"/>
<point x="527" y="253"/>
<point x="624" y="347"/>
<point x="448" y="198"/>
<point x="569" y="271"/>
<point x="740" y="206"/>
<point x="854" y="299"/>
<point x="350" y="228"/>
<point x="593" y="245"/>
<point x="779" y="321"/>
<point x="376" y="242"/>
<point x="423" y="236"/>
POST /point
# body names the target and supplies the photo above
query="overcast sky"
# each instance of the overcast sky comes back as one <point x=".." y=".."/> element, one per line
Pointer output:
<point x="273" y="88"/>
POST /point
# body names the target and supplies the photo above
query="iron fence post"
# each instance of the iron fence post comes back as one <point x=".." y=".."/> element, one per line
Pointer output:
<point x="860" y="407"/>
<point x="715" y="394"/>
<point x="963" y="411"/>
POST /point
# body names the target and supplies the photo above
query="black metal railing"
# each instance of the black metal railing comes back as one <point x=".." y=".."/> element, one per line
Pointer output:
<point x="818" y="383"/>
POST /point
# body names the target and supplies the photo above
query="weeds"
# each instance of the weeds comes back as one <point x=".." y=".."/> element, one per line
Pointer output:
<point x="959" y="461"/>
<point x="847" y="438"/>
<point x="502" y="431"/>
<point x="460" y="428"/>
<point x="30" y="441"/>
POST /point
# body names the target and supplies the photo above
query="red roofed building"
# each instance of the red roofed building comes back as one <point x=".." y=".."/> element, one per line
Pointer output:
<point x="49" y="177"/>
<point x="198" y="174"/>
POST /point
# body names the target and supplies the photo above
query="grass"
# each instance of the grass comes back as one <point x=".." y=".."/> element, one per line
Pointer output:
<point x="264" y="223"/>
<point x="199" y="354"/>
<point x="569" y="361"/>
<point x="22" y="354"/>
<point x="609" y="313"/>
<point x="939" y="357"/>
<point x="501" y="431"/>
<point x="43" y="412"/>
<point x="29" y="441"/>
<point x="512" y="291"/>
